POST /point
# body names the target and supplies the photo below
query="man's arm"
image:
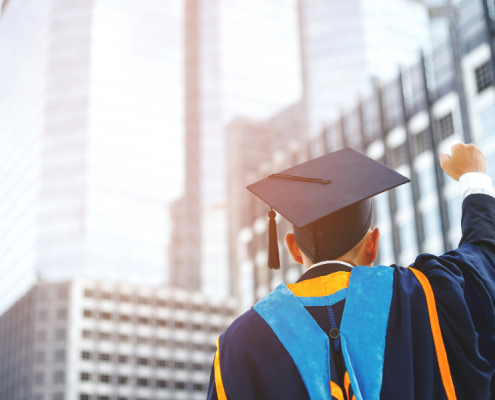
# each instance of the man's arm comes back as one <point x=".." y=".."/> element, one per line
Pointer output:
<point x="468" y="166"/>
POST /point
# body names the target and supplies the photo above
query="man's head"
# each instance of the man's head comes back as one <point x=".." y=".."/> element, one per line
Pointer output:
<point x="328" y="200"/>
<point x="363" y="253"/>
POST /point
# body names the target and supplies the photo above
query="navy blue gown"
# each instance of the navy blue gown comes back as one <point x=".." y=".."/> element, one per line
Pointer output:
<point x="388" y="348"/>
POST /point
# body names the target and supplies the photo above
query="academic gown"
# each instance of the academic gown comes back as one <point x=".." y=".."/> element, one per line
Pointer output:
<point x="422" y="332"/>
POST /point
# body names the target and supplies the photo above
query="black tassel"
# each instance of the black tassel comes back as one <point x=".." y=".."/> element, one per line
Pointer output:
<point x="273" y="257"/>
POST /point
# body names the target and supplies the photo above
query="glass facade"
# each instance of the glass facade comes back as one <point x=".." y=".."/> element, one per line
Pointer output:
<point x="92" y="132"/>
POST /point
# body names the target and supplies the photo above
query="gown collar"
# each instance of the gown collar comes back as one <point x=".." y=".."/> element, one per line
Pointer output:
<point x="324" y="268"/>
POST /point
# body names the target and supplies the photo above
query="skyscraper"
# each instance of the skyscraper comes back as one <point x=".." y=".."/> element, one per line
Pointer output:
<point x="405" y="123"/>
<point x="346" y="43"/>
<point x="91" y="131"/>
<point x="242" y="59"/>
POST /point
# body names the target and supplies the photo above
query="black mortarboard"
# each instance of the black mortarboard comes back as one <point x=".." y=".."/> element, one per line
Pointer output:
<point x="327" y="200"/>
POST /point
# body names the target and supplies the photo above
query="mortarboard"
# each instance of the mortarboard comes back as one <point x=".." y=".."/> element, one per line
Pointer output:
<point x="327" y="200"/>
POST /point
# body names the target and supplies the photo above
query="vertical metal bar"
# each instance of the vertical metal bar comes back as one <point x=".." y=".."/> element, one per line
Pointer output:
<point x="392" y="202"/>
<point x="444" y="217"/>
<point x="489" y="35"/>
<point x="414" y="175"/>
<point x="459" y="82"/>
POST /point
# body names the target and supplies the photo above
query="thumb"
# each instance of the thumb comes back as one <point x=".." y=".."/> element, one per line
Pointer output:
<point x="444" y="159"/>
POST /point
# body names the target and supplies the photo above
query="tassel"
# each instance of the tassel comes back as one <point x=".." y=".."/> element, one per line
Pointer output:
<point x="273" y="257"/>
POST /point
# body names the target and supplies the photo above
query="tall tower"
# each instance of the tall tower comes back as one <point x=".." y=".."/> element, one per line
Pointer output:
<point x="242" y="59"/>
<point x="345" y="44"/>
<point x="91" y="131"/>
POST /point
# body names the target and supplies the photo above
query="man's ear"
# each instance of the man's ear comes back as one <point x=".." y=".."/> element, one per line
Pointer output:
<point x="294" y="250"/>
<point x="372" y="245"/>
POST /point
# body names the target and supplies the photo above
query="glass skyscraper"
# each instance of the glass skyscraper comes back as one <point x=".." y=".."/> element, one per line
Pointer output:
<point x="90" y="135"/>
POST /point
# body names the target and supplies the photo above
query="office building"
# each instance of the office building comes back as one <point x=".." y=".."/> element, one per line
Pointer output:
<point x="91" y="131"/>
<point x="93" y="340"/>
<point x="344" y="44"/>
<point x="446" y="97"/>
<point x="242" y="58"/>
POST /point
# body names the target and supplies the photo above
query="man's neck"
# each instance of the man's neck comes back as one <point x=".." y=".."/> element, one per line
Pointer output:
<point x="332" y="261"/>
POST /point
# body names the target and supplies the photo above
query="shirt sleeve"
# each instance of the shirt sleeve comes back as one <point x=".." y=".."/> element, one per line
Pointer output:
<point x="476" y="183"/>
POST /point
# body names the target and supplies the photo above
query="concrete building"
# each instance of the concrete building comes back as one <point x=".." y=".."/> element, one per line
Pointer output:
<point x="445" y="97"/>
<point x="93" y="340"/>
<point x="242" y="58"/>
<point x="91" y="126"/>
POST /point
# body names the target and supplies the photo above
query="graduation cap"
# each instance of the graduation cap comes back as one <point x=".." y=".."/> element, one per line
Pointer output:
<point x="327" y="200"/>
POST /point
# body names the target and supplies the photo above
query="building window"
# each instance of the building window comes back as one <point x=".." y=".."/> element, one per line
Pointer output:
<point x="161" y="383"/>
<point x="403" y="196"/>
<point x="62" y="292"/>
<point x="43" y="315"/>
<point x="143" y="320"/>
<point x="197" y="367"/>
<point x="60" y="334"/>
<point x="422" y="142"/>
<point x="62" y="313"/>
<point x="104" y="357"/>
<point x="487" y="118"/>
<point x="104" y="336"/>
<point x="446" y="125"/>
<point x="124" y="318"/>
<point x="161" y="363"/>
<point x="123" y="338"/>
<point x="86" y="334"/>
<point x="142" y="382"/>
<point x="161" y="303"/>
<point x="103" y="397"/>
<point x="106" y="296"/>
<point x="196" y="307"/>
<point x="181" y="345"/>
<point x="142" y="361"/>
<point x="40" y="357"/>
<point x="106" y="316"/>
<point x="89" y="293"/>
<point x="179" y="306"/>
<point x="86" y="355"/>
<point x="180" y="385"/>
<point x="123" y="359"/>
<point x="83" y="396"/>
<point x="161" y="322"/>
<point x="197" y="387"/>
<point x="454" y="206"/>
<point x="483" y="76"/>
<point x="180" y="365"/>
<point x="58" y="396"/>
<point x="161" y="342"/>
<point x="39" y="378"/>
<point x="41" y="336"/>
<point x="212" y="348"/>
<point x="398" y="156"/>
<point x="427" y="181"/>
<point x="59" y="355"/>
<point x="142" y="340"/>
<point x="105" y="378"/>
<point x="85" y="376"/>
<point x="87" y="314"/>
<point x="408" y="237"/>
<point x="179" y="325"/>
<point x="123" y="380"/>
<point x="431" y="223"/>
<point x="143" y="300"/>
<point x="58" y="377"/>
<point x="125" y="298"/>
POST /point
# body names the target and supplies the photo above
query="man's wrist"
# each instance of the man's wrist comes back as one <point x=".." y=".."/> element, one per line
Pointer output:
<point x="476" y="183"/>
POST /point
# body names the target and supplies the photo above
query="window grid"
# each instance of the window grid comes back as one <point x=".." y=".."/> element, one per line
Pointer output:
<point x="483" y="77"/>
<point x="446" y="125"/>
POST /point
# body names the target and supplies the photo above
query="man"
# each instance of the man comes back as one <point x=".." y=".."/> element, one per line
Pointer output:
<point x="347" y="330"/>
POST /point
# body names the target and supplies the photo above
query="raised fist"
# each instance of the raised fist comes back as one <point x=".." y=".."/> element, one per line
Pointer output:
<point x="465" y="158"/>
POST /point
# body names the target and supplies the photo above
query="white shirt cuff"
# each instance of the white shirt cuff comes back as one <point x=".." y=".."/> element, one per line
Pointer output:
<point x="476" y="183"/>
